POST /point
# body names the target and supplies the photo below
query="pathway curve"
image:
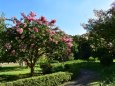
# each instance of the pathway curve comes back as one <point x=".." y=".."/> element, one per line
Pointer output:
<point x="84" y="79"/>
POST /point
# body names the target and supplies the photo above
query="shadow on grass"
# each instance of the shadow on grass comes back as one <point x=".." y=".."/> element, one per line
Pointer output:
<point x="7" y="78"/>
<point x="3" y="69"/>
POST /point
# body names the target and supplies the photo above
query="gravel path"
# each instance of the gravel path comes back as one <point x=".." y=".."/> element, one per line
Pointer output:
<point x="84" y="79"/>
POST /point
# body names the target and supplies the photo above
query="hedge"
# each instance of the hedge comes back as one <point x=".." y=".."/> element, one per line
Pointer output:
<point x="69" y="66"/>
<point x="53" y="79"/>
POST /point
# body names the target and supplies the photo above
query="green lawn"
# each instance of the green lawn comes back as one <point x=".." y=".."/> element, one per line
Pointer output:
<point x="13" y="70"/>
<point x="14" y="73"/>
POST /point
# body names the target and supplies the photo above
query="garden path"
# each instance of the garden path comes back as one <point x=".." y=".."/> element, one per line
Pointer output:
<point x="85" y="78"/>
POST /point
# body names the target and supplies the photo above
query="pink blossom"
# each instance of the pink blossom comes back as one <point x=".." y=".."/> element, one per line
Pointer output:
<point x="20" y="30"/>
<point x="18" y="23"/>
<point x="35" y="29"/>
<point x="51" y="32"/>
<point x="39" y="22"/>
<point x="46" y="23"/>
<point x="30" y="18"/>
<point x="8" y="46"/>
<point x="43" y="19"/>
<point x="24" y="25"/>
<point x="66" y="39"/>
<point x="69" y="40"/>
<point x="69" y="45"/>
<point x="52" y="22"/>
<point x="13" y="52"/>
<point x="32" y="14"/>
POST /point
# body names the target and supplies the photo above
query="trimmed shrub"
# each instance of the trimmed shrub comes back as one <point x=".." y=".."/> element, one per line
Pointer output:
<point x="69" y="66"/>
<point x="46" y="68"/>
<point x="58" y="67"/>
<point x="54" y="79"/>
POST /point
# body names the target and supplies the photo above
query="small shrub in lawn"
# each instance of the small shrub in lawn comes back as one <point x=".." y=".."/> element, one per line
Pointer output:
<point x="54" y="79"/>
<point x="46" y="68"/>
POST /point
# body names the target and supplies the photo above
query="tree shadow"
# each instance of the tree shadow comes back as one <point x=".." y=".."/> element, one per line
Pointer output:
<point x="15" y="68"/>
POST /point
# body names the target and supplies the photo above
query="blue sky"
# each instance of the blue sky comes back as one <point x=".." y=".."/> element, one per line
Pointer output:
<point x="68" y="13"/>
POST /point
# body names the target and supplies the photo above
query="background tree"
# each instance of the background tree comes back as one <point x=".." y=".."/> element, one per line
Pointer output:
<point x="102" y="31"/>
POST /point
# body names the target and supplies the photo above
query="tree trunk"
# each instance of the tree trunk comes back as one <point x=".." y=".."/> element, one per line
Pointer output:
<point x="31" y="66"/>
<point x="31" y="70"/>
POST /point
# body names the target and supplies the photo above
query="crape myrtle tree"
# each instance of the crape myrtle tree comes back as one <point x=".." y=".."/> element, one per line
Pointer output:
<point x="31" y="37"/>
<point x="102" y="31"/>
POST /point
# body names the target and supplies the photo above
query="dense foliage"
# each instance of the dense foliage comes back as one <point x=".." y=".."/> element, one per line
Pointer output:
<point x="102" y="33"/>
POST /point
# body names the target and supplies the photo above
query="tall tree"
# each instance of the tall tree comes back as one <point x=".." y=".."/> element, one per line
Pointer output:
<point x="102" y="30"/>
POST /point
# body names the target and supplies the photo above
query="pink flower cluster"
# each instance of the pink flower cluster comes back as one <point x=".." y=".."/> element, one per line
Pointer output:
<point x="13" y="52"/>
<point x="52" y="22"/>
<point x="68" y="41"/>
<point x="19" y="30"/>
<point x="7" y="46"/>
<point x="23" y="23"/>
<point x="41" y="21"/>
<point x="51" y="32"/>
<point x="35" y="29"/>
<point x="29" y="17"/>
<point x="22" y="48"/>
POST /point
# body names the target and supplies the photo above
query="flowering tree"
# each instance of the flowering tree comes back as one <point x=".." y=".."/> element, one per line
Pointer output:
<point x="31" y="37"/>
<point x="61" y="48"/>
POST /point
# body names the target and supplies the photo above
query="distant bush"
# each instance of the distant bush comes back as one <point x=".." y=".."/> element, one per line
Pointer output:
<point x="54" y="79"/>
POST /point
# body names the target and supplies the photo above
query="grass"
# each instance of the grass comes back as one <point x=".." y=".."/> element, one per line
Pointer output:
<point x="13" y="70"/>
<point x="11" y="73"/>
